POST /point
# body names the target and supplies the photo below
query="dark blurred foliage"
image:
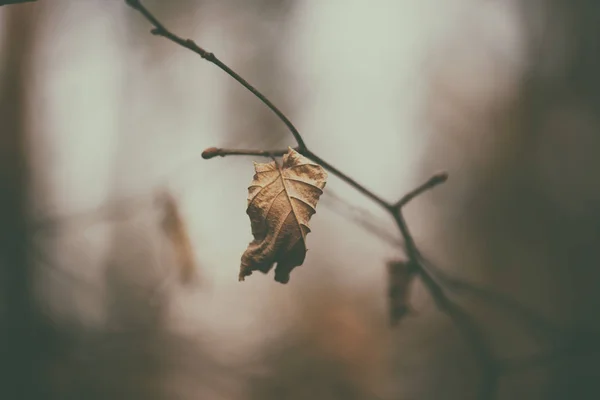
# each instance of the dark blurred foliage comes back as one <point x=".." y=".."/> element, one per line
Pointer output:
<point x="26" y="339"/>
<point x="135" y="354"/>
<point x="524" y="216"/>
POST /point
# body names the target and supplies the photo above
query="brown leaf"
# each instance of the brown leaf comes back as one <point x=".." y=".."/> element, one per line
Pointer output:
<point x="175" y="229"/>
<point x="281" y="200"/>
<point x="400" y="275"/>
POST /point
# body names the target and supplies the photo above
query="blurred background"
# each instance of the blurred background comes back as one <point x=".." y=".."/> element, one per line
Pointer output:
<point x="120" y="246"/>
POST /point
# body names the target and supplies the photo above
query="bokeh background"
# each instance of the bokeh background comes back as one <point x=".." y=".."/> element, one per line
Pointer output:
<point x="99" y="120"/>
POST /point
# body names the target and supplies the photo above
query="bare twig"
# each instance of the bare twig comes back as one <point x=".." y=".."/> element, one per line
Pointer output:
<point x="529" y="317"/>
<point x="362" y="217"/>
<point x="160" y="30"/>
<point x="432" y="182"/>
<point x="350" y="181"/>
<point x="212" y="152"/>
<point x="463" y="321"/>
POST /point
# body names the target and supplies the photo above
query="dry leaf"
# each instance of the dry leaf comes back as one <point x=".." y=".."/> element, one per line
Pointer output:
<point x="400" y="275"/>
<point x="175" y="229"/>
<point x="281" y="200"/>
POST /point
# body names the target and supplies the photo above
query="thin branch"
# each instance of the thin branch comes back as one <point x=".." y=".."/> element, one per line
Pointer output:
<point x="432" y="182"/>
<point x="465" y="324"/>
<point x="503" y="301"/>
<point x="361" y="217"/>
<point x="461" y="318"/>
<point x="463" y="321"/>
<point x="529" y="318"/>
<point x="161" y="30"/>
<point x="213" y="152"/>
<point x="350" y="181"/>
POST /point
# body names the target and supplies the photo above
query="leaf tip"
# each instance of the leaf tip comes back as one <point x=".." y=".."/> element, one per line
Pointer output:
<point x="282" y="277"/>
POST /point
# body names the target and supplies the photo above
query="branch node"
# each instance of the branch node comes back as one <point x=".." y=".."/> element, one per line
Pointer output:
<point x="160" y="29"/>
<point x="469" y="330"/>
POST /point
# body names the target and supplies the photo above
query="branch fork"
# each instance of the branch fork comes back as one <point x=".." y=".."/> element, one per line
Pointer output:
<point x="470" y="331"/>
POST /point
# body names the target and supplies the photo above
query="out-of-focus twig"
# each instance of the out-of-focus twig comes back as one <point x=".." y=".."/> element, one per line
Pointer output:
<point x="118" y="210"/>
<point x="400" y="276"/>
<point x="462" y="320"/>
<point x="40" y="256"/>
<point x="360" y="216"/>
<point x="432" y="182"/>
<point x="580" y="344"/>
<point x="114" y="210"/>
<point x="468" y="328"/>
<point x="9" y="2"/>
<point x="531" y="319"/>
